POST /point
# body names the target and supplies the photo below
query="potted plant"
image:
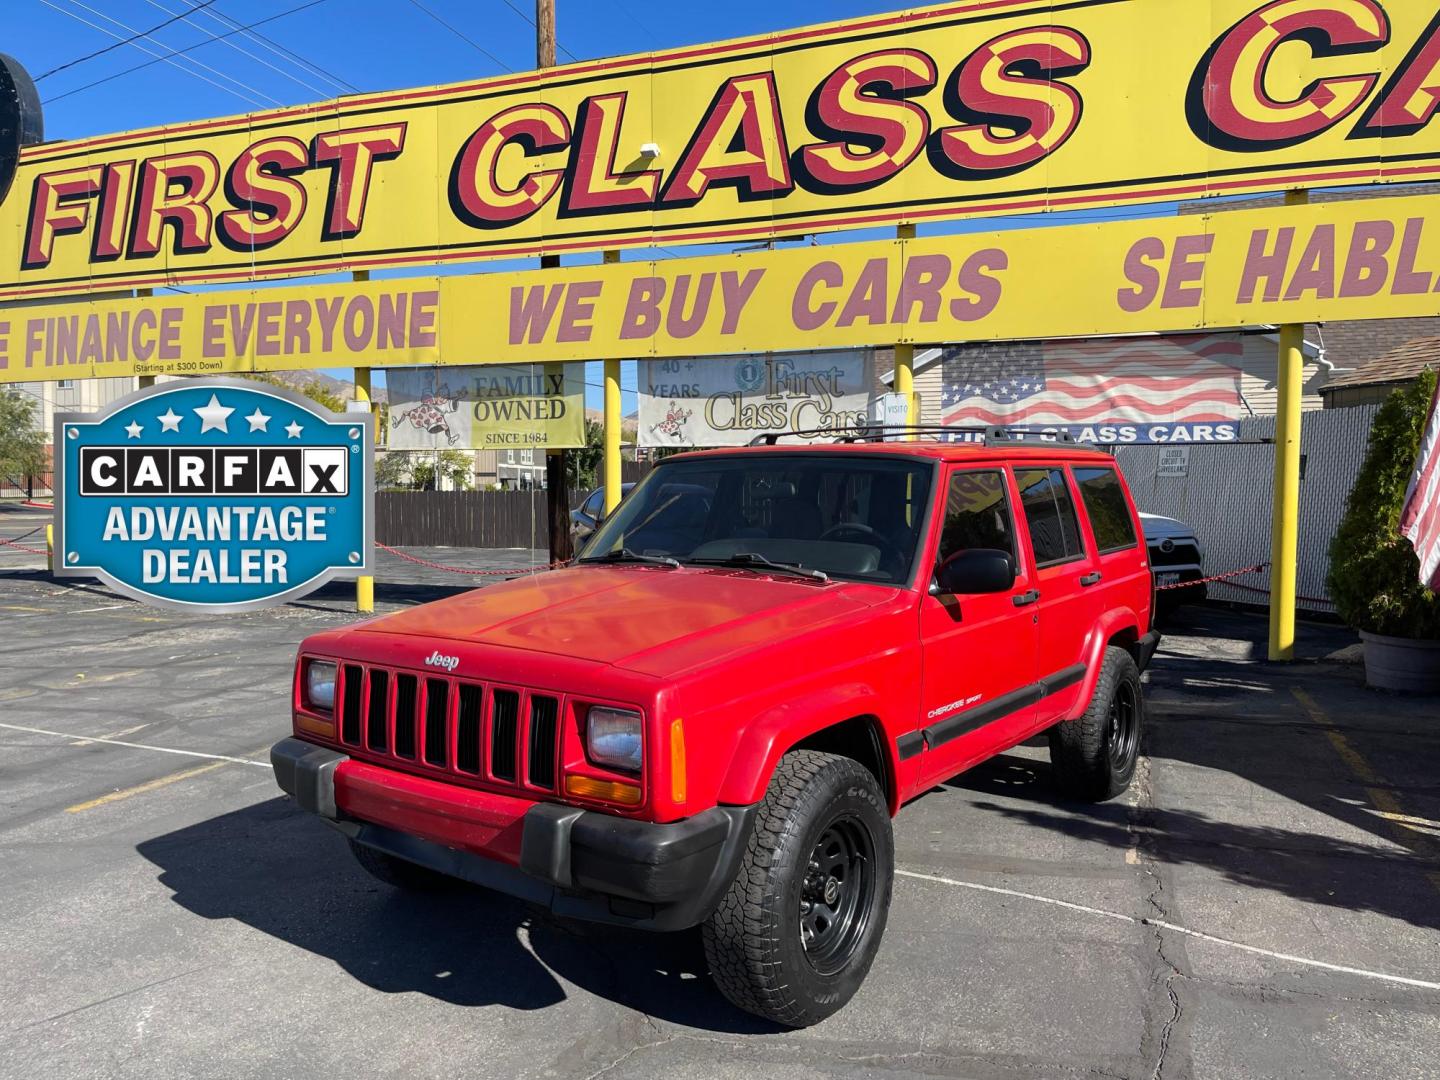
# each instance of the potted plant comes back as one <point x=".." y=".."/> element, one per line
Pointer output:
<point x="1374" y="573"/>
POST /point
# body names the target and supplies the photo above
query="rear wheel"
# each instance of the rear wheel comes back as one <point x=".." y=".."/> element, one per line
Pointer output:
<point x="1094" y="757"/>
<point x="397" y="872"/>
<point x="795" y="935"/>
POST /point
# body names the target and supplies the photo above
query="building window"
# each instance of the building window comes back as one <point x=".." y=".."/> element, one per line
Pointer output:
<point x="65" y="384"/>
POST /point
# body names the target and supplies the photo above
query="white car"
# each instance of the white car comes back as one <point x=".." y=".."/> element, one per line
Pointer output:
<point x="1176" y="556"/>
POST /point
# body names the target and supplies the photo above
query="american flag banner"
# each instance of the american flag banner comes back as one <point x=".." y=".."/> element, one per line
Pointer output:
<point x="1189" y="378"/>
<point x="1420" y="517"/>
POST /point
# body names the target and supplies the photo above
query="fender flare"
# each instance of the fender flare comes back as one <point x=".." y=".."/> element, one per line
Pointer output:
<point x="766" y="739"/>
<point x="1112" y="622"/>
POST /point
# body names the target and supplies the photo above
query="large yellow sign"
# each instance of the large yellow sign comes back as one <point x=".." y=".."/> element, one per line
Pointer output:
<point x="1366" y="259"/>
<point x="979" y="107"/>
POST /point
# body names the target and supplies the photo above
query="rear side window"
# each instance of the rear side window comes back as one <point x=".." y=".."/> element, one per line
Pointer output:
<point x="1104" y="501"/>
<point x="1054" y="533"/>
<point x="977" y="515"/>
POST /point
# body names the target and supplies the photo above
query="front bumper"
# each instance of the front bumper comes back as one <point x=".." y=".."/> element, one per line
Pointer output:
<point x="579" y="863"/>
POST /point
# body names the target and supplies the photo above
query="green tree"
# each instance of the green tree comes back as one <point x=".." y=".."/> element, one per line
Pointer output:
<point x="582" y="466"/>
<point x="402" y="470"/>
<point x="22" y="445"/>
<point x="312" y="388"/>
<point x="1374" y="573"/>
<point x="392" y="471"/>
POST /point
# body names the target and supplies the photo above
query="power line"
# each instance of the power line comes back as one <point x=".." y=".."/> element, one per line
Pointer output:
<point x="483" y="51"/>
<point x="179" y="52"/>
<point x="212" y="36"/>
<point x="528" y="19"/>
<point x="192" y="60"/>
<point x="118" y="44"/>
<point x="627" y="13"/>
<point x="167" y="59"/>
<point x="281" y="50"/>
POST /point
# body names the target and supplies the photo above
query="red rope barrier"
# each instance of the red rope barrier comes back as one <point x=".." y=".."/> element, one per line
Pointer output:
<point x="493" y="572"/>
<point x="22" y="547"/>
<point x="1236" y="585"/>
<point x="1217" y="577"/>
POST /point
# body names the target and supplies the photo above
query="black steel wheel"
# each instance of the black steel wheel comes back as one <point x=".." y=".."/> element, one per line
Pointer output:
<point x="1094" y="757"/>
<point x="795" y="935"/>
<point x="1122" y="734"/>
<point x="837" y="895"/>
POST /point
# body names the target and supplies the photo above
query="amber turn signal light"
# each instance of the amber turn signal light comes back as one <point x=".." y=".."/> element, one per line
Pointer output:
<point x="606" y="790"/>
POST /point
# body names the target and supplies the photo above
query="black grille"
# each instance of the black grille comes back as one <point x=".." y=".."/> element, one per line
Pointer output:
<point x="1181" y="553"/>
<point x="437" y="713"/>
<point x="350" y="704"/>
<point x="468" y="730"/>
<point x="543" y="714"/>
<point x="406" y="692"/>
<point x="504" y="732"/>
<point x="467" y="734"/>
<point x="378" y="737"/>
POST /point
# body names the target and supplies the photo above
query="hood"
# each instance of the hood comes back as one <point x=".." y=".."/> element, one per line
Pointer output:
<point x="1158" y="527"/>
<point x="648" y="619"/>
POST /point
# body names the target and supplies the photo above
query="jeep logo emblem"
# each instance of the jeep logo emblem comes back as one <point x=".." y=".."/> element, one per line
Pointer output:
<point x="438" y="659"/>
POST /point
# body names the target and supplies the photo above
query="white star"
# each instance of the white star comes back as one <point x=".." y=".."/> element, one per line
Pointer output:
<point x="132" y="430"/>
<point x="213" y="416"/>
<point x="293" y="429"/>
<point x="169" y="422"/>
<point x="258" y="420"/>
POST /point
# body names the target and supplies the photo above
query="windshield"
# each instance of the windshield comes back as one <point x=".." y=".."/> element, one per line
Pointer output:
<point x="845" y="515"/>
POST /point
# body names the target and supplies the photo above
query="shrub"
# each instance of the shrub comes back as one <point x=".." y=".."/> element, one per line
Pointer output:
<point x="1374" y="573"/>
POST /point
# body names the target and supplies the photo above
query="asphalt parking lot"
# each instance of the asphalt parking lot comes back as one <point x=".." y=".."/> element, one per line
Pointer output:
<point x="1265" y="903"/>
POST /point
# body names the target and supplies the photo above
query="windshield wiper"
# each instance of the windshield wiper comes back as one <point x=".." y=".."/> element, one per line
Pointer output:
<point x="753" y="560"/>
<point x="620" y="555"/>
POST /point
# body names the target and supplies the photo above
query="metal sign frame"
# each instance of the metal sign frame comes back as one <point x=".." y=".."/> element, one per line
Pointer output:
<point x="365" y="567"/>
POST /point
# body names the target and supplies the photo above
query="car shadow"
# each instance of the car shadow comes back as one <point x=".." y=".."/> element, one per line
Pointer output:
<point x="1390" y="876"/>
<point x="275" y="868"/>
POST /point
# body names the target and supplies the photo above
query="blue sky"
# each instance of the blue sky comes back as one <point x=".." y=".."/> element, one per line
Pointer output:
<point x="308" y="50"/>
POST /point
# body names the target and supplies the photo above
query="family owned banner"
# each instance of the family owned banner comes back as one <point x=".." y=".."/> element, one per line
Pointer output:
<point x="494" y="407"/>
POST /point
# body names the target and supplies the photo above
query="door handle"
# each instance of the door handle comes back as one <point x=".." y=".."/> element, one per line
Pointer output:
<point x="1025" y="599"/>
<point x="1091" y="579"/>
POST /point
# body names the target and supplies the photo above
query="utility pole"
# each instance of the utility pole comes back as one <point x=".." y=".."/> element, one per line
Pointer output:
<point x="557" y="497"/>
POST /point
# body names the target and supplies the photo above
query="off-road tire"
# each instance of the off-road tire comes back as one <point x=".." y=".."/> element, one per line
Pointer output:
<point x="1087" y="761"/>
<point x="753" y="941"/>
<point x="399" y="873"/>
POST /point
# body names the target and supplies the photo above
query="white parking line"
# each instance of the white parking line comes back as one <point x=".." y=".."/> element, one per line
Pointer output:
<point x="71" y="735"/>
<point x="1162" y="924"/>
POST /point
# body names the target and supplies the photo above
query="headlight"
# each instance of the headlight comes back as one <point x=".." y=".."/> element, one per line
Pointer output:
<point x="320" y="685"/>
<point x="613" y="738"/>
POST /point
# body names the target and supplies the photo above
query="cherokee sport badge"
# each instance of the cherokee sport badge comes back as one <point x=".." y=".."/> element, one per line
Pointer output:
<point x="214" y="493"/>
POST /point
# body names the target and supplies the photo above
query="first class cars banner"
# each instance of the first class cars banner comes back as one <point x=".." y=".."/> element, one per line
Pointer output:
<point x="1361" y="259"/>
<point x="975" y="108"/>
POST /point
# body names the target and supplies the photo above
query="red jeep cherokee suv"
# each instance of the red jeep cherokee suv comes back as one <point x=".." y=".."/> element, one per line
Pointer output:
<point x="710" y="718"/>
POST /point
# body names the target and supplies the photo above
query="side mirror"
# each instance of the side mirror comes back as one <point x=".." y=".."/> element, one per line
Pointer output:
<point x="979" y="570"/>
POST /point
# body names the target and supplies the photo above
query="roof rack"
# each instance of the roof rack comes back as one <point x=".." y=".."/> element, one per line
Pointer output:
<point x="880" y="432"/>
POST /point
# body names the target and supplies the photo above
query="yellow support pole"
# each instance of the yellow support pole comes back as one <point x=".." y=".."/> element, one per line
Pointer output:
<point x="365" y="584"/>
<point x="143" y="381"/>
<point x="1285" y="513"/>
<point x="50" y="548"/>
<point x="905" y="355"/>
<point x="613" y="422"/>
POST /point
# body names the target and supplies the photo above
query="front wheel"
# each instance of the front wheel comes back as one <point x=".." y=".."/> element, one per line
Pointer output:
<point x="1094" y="757"/>
<point x="796" y="933"/>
